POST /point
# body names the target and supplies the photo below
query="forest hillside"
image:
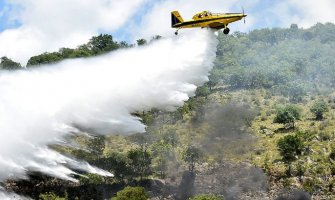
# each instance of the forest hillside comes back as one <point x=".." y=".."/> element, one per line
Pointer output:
<point x="262" y="127"/>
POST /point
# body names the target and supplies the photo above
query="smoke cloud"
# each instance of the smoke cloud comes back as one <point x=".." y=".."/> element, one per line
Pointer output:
<point x="41" y="106"/>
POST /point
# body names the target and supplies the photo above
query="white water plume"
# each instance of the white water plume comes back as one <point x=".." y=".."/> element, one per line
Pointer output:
<point x="4" y="195"/>
<point x="40" y="106"/>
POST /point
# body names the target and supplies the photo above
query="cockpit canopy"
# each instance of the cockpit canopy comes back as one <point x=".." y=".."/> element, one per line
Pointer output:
<point x="201" y="15"/>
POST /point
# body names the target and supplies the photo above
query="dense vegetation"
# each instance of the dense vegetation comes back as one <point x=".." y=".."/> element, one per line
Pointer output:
<point x="263" y="123"/>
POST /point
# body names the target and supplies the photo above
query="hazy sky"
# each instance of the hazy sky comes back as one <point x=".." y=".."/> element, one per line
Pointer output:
<point x="30" y="27"/>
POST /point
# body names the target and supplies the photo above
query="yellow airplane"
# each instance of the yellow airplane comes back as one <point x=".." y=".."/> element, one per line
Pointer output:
<point x="206" y="19"/>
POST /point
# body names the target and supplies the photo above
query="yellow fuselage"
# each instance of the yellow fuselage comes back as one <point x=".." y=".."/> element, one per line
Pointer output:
<point x="209" y="20"/>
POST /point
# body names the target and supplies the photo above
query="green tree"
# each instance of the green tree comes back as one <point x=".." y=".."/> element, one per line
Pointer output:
<point x="141" y="42"/>
<point x="102" y="43"/>
<point x="80" y="53"/>
<point x="117" y="163"/>
<point x="191" y="156"/>
<point x="131" y="193"/>
<point x="289" y="148"/>
<point x="202" y="91"/>
<point x="66" y="52"/>
<point x="140" y="161"/>
<point x="45" y="58"/>
<point x="161" y="153"/>
<point x="295" y="91"/>
<point x="206" y="197"/>
<point x="8" y="64"/>
<point x="319" y="108"/>
<point x="288" y="115"/>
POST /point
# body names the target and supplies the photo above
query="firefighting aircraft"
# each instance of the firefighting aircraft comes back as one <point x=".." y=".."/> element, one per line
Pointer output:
<point x="206" y="19"/>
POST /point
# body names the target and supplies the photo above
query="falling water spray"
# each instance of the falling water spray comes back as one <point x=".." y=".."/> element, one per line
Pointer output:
<point x="41" y="106"/>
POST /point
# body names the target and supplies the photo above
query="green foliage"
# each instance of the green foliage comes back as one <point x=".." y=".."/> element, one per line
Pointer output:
<point x="91" y="179"/>
<point x="101" y="44"/>
<point x="295" y="91"/>
<point x="191" y="156"/>
<point x="141" y="42"/>
<point x="332" y="154"/>
<point x="284" y="60"/>
<point x="45" y="58"/>
<point x="117" y="163"/>
<point x="97" y="45"/>
<point x="170" y="138"/>
<point x="202" y="91"/>
<point x="161" y="153"/>
<point x="147" y="118"/>
<point x="319" y="108"/>
<point x="96" y="145"/>
<point x="131" y="193"/>
<point x="50" y="196"/>
<point x="287" y="115"/>
<point x="206" y="197"/>
<point x="214" y="78"/>
<point x="8" y="64"/>
<point x="289" y="147"/>
<point x="140" y="161"/>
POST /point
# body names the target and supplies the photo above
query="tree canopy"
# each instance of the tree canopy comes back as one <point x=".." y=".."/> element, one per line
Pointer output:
<point x="319" y="108"/>
<point x="287" y="115"/>
<point x="8" y="64"/>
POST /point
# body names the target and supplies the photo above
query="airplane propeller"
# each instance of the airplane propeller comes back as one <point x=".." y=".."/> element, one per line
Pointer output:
<point x="243" y="15"/>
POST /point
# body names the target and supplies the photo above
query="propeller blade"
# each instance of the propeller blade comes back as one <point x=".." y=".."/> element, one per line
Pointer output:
<point x="243" y="14"/>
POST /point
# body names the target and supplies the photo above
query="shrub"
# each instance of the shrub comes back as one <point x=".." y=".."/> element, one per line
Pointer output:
<point x="50" y="196"/>
<point x="289" y="147"/>
<point x="288" y="115"/>
<point x="319" y="108"/>
<point x="332" y="154"/>
<point x="131" y="193"/>
<point x="91" y="179"/>
<point x="202" y="91"/>
<point x="206" y="197"/>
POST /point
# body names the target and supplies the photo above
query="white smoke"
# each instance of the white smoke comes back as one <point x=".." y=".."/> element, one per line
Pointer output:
<point x="39" y="107"/>
<point x="4" y="195"/>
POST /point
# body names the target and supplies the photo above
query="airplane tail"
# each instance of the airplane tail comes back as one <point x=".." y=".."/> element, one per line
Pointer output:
<point x="176" y="18"/>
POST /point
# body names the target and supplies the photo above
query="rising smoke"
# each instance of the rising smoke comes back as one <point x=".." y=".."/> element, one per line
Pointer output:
<point x="41" y="106"/>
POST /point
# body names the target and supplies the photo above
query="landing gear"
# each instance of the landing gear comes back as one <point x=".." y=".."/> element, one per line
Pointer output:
<point x="176" y="33"/>
<point x="226" y="31"/>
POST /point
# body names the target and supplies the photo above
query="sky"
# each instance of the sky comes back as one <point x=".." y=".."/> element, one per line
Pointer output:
<point x="32" y="27"/>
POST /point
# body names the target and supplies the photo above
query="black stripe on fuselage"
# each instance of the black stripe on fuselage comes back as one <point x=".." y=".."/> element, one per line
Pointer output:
<point x="201" y="21"/>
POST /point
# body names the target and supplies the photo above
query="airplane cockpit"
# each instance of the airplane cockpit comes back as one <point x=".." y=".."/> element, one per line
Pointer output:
<point x="201" y="15"/>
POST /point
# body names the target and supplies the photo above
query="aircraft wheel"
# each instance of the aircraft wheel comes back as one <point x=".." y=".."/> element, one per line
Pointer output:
<point x="176" y="33"/>
<point x="226" y="31"/>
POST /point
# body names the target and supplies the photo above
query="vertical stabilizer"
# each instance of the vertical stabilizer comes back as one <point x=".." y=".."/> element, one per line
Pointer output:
<point x="176" y="18"/>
